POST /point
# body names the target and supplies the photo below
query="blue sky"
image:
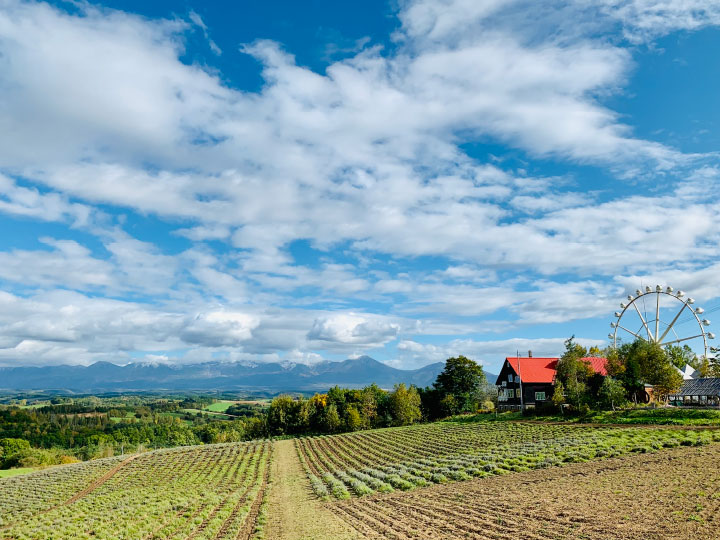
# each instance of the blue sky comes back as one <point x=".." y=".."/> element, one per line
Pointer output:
<point x="299" y="181"/>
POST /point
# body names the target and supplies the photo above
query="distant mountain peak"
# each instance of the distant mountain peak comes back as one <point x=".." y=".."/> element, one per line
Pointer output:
<point x="272" y="377"/>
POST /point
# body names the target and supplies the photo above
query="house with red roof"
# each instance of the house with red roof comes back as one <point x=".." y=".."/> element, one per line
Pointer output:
<point x="529" y="381"/>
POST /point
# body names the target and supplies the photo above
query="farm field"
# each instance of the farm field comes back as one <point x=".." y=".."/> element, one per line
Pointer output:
<point x="478" y="480"/>
<point x="203" y="492"/>
<point x="665" y="495"/>
<point x="383" y="461"/>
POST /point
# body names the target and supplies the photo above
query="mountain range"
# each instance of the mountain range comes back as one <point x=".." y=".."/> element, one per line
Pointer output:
<point x="214" y="376"/>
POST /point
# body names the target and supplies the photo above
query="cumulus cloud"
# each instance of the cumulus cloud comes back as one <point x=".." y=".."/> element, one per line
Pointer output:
<point x="353" y="329"/>
<point x="219" y="329"/>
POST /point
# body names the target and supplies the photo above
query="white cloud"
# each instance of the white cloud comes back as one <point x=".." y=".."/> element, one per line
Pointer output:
<point x="197" y="21"/>
<point x="29" y="202"/>
<point x="76" y="86"/>
<point x="353" y="329"/>
<point x="68" y="263"/>
<point x="219" y="329"/>
<point x="644" y="20"/>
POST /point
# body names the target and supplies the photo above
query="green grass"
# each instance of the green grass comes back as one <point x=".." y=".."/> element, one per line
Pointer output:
<point x="220" y="406"/>
<point x="665" y="416"/>
<point x="36" y="405"/>
<point x="7" y="473"/>
<point x="211" y="414"/>
<point x="117" y="419"/>
<point x="641" y="415"/>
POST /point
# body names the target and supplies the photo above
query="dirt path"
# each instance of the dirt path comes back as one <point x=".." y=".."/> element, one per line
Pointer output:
<point x="294" y="513"/>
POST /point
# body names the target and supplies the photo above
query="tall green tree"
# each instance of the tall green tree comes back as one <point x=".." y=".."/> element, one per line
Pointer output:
<point x="460" y="386"/>
<point x="287" y="415"/>
<point x="404" y="404"/>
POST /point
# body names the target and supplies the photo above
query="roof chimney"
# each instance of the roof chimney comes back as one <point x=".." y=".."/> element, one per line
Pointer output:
<point x="529" y="354"/>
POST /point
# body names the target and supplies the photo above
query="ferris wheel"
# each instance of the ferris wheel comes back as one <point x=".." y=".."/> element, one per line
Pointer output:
<point x="664" y="304"/>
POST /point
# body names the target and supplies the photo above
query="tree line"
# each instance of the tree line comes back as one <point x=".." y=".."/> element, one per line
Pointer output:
<point x="630" y="368"/>
<point x="461" y="387"/>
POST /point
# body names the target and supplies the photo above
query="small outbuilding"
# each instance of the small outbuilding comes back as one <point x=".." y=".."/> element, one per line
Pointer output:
<point x="704" y="392"/>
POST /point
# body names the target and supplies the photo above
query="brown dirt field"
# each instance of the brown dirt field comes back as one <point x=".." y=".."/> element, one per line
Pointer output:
<point x="667" y="495"/>
<point x="294" y="513"/>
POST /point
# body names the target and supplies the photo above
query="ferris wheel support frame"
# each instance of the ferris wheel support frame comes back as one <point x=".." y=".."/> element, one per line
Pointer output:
<point x="655" y="336"/>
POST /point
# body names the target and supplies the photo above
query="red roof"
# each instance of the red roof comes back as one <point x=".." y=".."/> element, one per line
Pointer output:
<point x="534" y="370"/>
<point x="598" y="364"/>
<point x="542" y="370"/>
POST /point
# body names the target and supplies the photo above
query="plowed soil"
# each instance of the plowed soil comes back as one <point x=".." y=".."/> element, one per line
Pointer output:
<point x="670" y="494"/>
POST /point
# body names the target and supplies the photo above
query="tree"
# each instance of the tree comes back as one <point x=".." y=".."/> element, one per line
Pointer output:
<point x="646" y="362"/>
<point x="404" y="404"/>
<point x="287" y="415"/>
<point x="430" y="403"/>
<point x="354" y="420"/>
<point x="612" y="393"/>
<point x="682" y="355"/>
<point x="331" y="420"/>
<point x="463" y="379"/>
<point x="558" y="397"/>
<point x="450" y="405"/>
<point x="574" y="374"/>
<point x="13" y="451"/>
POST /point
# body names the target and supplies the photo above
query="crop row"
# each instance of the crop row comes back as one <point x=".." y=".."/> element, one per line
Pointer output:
<point x="25" y="495"/>
<point x="358" y="464"/>
<point x="200" y="492"/>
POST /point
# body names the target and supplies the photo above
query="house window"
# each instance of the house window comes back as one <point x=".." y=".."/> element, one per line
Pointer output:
<point x="510" y="378"/>
<point x="539" y="396"/>
<point x="503" y="384"/>
<point x="514" y="393"/>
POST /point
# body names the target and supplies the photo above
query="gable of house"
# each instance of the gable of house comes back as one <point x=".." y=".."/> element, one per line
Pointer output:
<point x="533" y="370"/>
